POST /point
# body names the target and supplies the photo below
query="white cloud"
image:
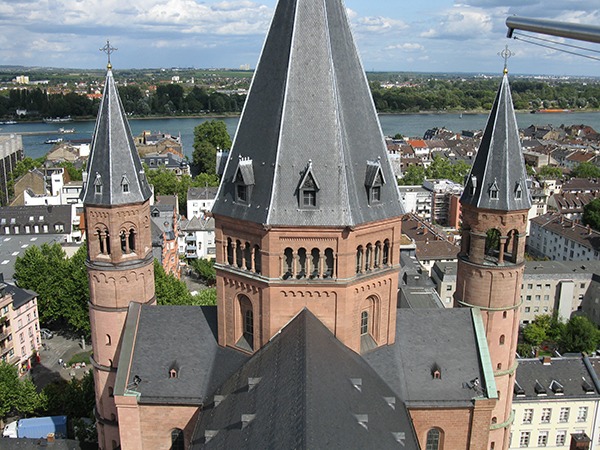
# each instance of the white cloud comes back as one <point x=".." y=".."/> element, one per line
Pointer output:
<point x="461" y="23"/>
<point x="407" y="47"/>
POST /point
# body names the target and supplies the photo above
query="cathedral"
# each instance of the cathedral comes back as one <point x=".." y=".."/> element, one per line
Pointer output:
<point x="306" y="347"/>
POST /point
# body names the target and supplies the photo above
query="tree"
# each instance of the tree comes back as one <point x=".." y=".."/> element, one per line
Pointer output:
<point x="205" y="269"/>
<point x="580" y="335"/>
<point x="170" y="290"/>
<point x="591" y="214"/>
<point x="74" y="398"/>
<point x="208" y="136"/>
<point x="586" y="170"/>
<point x="550" y="172"/>
<point x="413" y="176"/>
<point x="17" y="396"/>
<point x="206" y="297"/>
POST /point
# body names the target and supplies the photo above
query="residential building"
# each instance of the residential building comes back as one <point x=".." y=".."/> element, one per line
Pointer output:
<point x="158" y="143"/>
<point x="11" y="152"/>
<point x="169" y="161"/>
<point x="553" y="399"/>
<point x="34" y="220"/>
<point x="200" y="200"/>
<point x="554" y="237"/>
<point x="548" y="287"/>
<point x="417" y="200"/>
<point x="571" y="205"/>
<point x="19" y="326"/>
<point x="165" y="231"/>
<point x="442" y="192"/>
<point x="197" y="238"/>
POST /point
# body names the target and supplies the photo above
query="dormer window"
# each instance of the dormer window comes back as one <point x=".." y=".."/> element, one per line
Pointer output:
<point x="244" y="180"/>
<point x="98" y="184"/>
<point x="308" y="189"/>
<point x="473" y="184"/>
<point x="125" y="184"/>
<point x="518" y="192"/>
<point x="494" y="191"/>
<point x="374" y="180"/>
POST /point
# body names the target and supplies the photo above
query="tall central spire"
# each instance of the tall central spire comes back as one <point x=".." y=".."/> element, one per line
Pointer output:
<point x="309" y="149"/>
<point x="115" y="173"/>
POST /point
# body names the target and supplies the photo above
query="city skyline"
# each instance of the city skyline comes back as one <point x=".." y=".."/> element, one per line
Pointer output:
<point x="433" y="36"/>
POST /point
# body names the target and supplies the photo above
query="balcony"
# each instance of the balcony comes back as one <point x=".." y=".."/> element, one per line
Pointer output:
<point x="4" y="351"/>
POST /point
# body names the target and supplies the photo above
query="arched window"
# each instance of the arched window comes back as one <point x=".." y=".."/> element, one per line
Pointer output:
<point x="302" y="263"/>
<point x="511" y="247"/>
<point x="499" y="366"/>
<point x="257" y="260"/>
<point x="108" y="339"/>
<point x="123" y="242"/>
<point x="359" y="259"/>
<point x="329" y="263"/>
<point x="364" y="323"/>
<point x="502" y="340"/>
<point x="177" y="441"/>
<point x="101" y="242"/>
<point x="111" y="391"/>
<point x="386" y="252"/>
<point x="107" y="242"/>
<point x="229" y="252"/>
<point x="248" y="256"/>
<point x="288" y="263"/>
<point x="246" y="340"/>
<point x="492" y="243"/>
<point x="369" y="258"/>
<point x="239" y="253"/>
<point x="504" y="315"/>
<point x="377" y="262"/>
<point x="315" y="263"/>
<point x="433" y="439"/>
<point x="132" y="240"/>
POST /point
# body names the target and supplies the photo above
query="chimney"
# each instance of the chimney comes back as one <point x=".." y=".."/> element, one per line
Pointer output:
<point x="580" y="441"/>
<point x="546" y="360"/>
<point x="589" y="230"/>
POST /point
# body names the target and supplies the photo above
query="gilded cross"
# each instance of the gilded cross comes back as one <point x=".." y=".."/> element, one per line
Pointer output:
<point x="108" y="50"/>
<point x="506" y="54"/>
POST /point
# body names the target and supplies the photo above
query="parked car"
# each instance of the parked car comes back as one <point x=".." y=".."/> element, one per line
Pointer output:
<point x="46" y="333"/>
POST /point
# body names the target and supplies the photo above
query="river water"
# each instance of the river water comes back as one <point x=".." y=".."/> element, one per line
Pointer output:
<point x="412" y="125"/>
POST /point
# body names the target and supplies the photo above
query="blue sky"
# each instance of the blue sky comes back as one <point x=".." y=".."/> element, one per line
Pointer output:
<point x="392" y="35"/>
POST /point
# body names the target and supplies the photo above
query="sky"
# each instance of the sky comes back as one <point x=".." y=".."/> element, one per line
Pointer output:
<point x="392" y="35"/>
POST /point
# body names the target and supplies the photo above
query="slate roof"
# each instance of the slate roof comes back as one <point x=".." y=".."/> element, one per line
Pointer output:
<point x="534" y="379"/>
<point x="156" y="347"/>
<point x="114" y="160"/>
<point x="499" y="162"/>
<point x="19" y="296"/>
<point x="305" y="389"/>
<point x="569" y="229"/>
<point x="428" y="338"/>
<point x="40" y="215"/>
<point x="296" y="118"/>
<point x="202" y="193"/>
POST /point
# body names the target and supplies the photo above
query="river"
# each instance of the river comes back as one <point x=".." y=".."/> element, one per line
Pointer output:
<point x="413" y="125"/>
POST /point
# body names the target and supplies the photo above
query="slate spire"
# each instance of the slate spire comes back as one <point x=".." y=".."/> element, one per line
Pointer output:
<point x="498" y="179"/>
<point x="309" y="132"/>
<point x="115" y="173"/>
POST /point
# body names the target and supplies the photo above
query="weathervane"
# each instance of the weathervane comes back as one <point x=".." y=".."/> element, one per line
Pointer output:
<point x="108" y="50"/>
<point x="506" y="54"/>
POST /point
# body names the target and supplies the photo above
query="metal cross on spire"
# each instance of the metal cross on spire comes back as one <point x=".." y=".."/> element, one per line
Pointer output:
<point x="506" y="54"/>
<point x="108" y="50"/>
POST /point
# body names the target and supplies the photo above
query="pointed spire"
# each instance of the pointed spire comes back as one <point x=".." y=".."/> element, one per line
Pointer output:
<point x="309" y="100"/>
<point x="114" y="157"/>
<point x="498" y="179"/>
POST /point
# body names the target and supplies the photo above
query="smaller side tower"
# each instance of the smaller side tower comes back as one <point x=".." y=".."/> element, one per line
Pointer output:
<point x="495" y="205"/>
<point x="120" y="262"/>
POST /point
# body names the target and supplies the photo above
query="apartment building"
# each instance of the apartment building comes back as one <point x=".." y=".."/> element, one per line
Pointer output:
<point x="19" y="325"/>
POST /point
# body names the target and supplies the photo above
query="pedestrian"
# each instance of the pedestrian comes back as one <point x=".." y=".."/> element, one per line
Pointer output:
<point x="60" y="361"/>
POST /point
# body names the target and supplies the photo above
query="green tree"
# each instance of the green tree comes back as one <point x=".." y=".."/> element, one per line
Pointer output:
<point x="586" y="170"/>
<point x="535" y="334"/>
<point x="550" y="173"/>
<point x="413" y="176"/>
<point x="74" y="398"/>
<point x="580" y="335"/>
<point x="17" y="396"/>
<point x="208" y="136"/>
<point x="25" y="165"/>
<point x="206" y="297"/>
<point x="591" y="214"/>
<point x="205" y="269"/>
<point x="170" y="290"/>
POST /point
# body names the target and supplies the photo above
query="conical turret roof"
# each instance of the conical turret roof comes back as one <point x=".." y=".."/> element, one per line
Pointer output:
<point x="498" y="179"/>
<point x="115" y="173"/>
<point x="309" y="150"/>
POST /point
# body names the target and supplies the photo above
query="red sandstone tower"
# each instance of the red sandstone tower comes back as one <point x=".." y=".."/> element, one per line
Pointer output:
<point x="308" y="212"/>
<point x="120" y="263"/>
<point x="495" y="204"/>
